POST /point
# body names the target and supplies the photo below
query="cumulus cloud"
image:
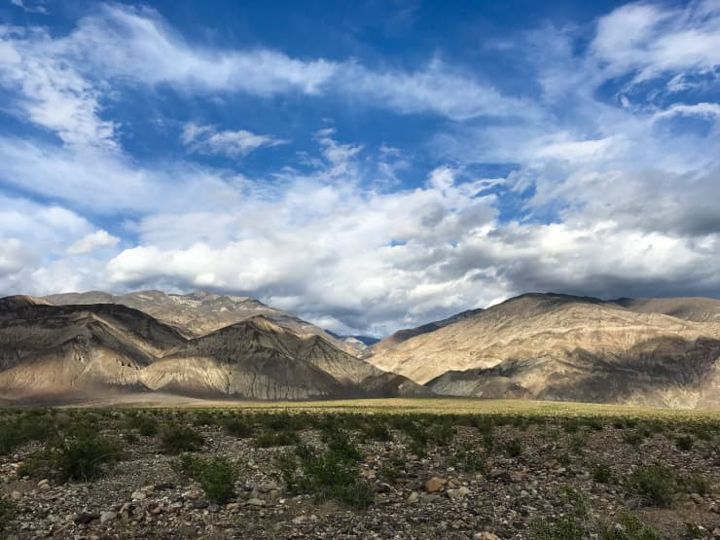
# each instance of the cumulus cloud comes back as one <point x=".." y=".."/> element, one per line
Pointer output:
<point x="611" y="190"/>
<point x="210" y="140"/>
<point x="91" y="242"/>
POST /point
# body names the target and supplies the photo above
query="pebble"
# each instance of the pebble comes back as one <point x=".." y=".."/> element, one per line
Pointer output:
<point x="107" y="516"/>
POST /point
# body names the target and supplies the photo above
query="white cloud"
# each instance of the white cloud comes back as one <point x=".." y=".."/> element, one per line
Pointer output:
<point x="652" y="40"/>
<point x="135" y="45"/>
<point x="93" y="241"/>
<point x="49" y="91"/>
<point x="31" y="6"/>
<point x="210" y="140"/>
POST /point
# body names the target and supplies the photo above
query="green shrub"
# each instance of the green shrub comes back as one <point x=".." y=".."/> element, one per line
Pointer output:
<point x="696" y="483"/>
<point x="281" y="438"/>
<point x="601" y="473"/>
<point x="376" y="430"/>
<point x="655" y="485"/>
<point x="684" y="443"/>
<point x="340" y="445"/>
<point x="628" y="527"/>
<point x="238" y="427"/>
<point x="7" y="513"/>
<point x="514" y="448"/>
<point x="175" y="439"/>
<point x="467" y="459"/>
<point x="216" y="476"/>
<point x="565" y="528"/>
<point x="326" y="475"/>
<point x="83" y="458"/>
<point x="146" y="425"/>
<point x="37" y="465"/>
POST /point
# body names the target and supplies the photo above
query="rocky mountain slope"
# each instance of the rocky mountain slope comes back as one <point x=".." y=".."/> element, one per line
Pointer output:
<point x="72" y="352"/>
<point x="200" y="313"/>
<point x="559" y="347"/>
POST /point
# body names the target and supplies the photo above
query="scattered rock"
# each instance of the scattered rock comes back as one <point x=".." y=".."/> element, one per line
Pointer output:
<point x="107" y="516"/>
<point x="83" y="518"/>
<point x="435" y="484"/>
<point x="255" y="502"/>
<point x="138" y="495"/>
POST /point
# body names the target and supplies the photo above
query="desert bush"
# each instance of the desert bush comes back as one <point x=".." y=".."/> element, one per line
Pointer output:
<point x="7" y="513"/>
<point x="280" y="438"/>
<point x="467" y="459"/>
<point x="216" y="476"/>
<point x="654" y="484"/>
<point x="601" y="473"/>
<point x="376" y="430"/>
<point x="327" y="476"/>
<point x="514" y="448"/>
<point x="175" y="439"/>
<point x="238" y="427"/>
<point x="575" y="525"/>
<point x="628" y="527"/>
<point x="340" y="445"/>
<point x="83" y="458"/>
<point x="696" y="483"/>
<point x="146" y="425"/>
<point x="684" y="443"/>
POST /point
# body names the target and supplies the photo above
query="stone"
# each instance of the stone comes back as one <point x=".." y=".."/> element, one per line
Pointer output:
<point x="458" y="493"/>
<point x="83" y="518"/>
<point x="413" y="497"/>
<point x="299" y="520"/>
<point x="485" y="535"/>
<point x="435" y="484"/>
<point x="107" y="516"/>
<point x="138" y="495"/>
<point x="15" y="495"/>
<point x="696" y="498"/>
<point x="256" y="502"/>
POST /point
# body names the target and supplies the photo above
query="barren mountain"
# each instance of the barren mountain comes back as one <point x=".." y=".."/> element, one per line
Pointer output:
<point x="407" y="333"/>
<point x="200" y="313"/>
<point x="566" y="348"/>
<point x="690" y="309"/>
<point x="71" y="352"/>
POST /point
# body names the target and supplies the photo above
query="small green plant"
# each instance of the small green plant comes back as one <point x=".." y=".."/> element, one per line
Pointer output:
<point x="684" y="443"/>
<point x="7" y="513"/>
<point x="216" y="476"/>
<point x="238" y="427"/>
<point x="468" y="460"/>
<point x="572" y="526"/>
<point x="328" y="476"/>
<point x="340" y="445"/>
<point x="146" y="425"/>
<point x="601" y="473"/>
<point x="628" y="527"/>
<point x="654" y="484"/>
<point x="514" y="448"/>
<point x="280" y="438"/>
<point x="175" y="439"/>
<point x="696" y="483"/>
<point x="82" y="458"/>
<point x="376" y="430"/>
<point x="564" y="528"/>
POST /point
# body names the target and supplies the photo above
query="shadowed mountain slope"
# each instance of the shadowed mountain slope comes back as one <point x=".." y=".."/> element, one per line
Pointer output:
<point x="200" y="313"/>
<point x="50" y="352"/>
<point x="562" y="347"/>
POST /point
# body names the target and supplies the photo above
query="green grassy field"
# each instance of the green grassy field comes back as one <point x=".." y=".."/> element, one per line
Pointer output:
<point x="440" y="406"/>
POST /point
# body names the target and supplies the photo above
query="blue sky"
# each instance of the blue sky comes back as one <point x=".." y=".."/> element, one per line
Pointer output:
<point x="367" y="165"/>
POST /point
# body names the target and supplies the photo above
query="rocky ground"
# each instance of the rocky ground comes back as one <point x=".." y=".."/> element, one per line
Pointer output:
<point x="354" y="476"/>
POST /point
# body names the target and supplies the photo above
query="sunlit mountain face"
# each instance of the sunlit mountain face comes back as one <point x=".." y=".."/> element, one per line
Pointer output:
<point x="368" y="166"/>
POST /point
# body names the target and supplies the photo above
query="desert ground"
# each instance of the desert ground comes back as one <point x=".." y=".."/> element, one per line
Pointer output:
<point x="395" y="468"/>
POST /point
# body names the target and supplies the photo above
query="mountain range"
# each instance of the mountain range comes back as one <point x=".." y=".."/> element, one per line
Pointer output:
<point x="54" y="351"/>
<point x="78" y="346"/>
